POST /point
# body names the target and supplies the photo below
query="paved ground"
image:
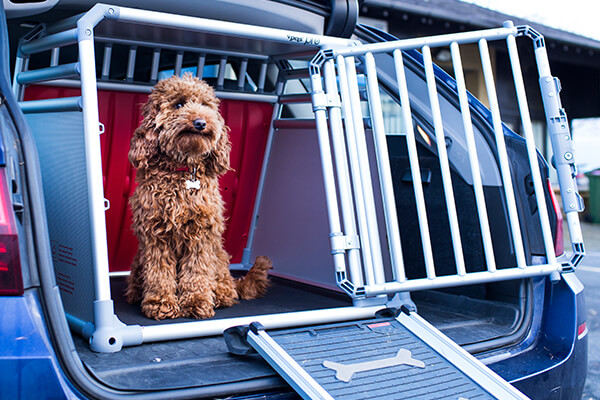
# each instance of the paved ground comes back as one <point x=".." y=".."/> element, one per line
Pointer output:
<point x="589" y="274"/>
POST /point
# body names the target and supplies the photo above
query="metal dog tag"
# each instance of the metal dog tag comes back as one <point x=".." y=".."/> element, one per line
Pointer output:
<point x="195" y="184"/>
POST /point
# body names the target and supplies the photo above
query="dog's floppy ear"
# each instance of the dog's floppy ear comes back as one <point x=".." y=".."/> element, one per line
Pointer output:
<point x="218" y="159"/>
<point x="144" y="143"/>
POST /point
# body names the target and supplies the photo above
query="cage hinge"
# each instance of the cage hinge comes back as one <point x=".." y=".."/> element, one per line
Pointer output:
<point x="322" y="101"/>
<point x="340" y="242"/>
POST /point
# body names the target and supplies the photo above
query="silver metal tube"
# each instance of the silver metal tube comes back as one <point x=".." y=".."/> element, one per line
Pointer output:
<point x="373" y="273"/>
<point x="93" y="157"/>
<point x="359" y="198"/>
<point x="51" y="105"/>
<point x="131" y="63"/>
<point x="155" y="333"/>
<point x="531" y="150"/>
<point x="20" y="66"/>
<point x="49" y="42"/>
<point x="341" y="166"/>
<point x="458" y="280"/>
<point x="509" y="191"/>
<point x="242" y="74"/>
<point x="222" y="68"/>
<point x="440" y="139"/>
<point x="385" y="172"/>
<point x="200" y="66"/>
<point x="415" y="168"/>
<point x="262" y="77"/>
<point x="227" y="28"/>
<point x="106" y="61"/>
<point x="473" y="158"/>
<point x="155" y="65"/>
<point x="333" y="212"/>
<point x="178" y="63"/>
<point x="55" y="57"/>
<point x="432" y="41"/>
<point x="47" y="74"/>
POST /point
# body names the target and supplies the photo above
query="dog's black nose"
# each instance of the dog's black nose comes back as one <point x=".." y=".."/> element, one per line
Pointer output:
<point x="200" y="124"/>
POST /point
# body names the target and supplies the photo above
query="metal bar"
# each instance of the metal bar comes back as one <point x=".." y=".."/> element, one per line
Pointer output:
<point x="242" y="74"/>
<point x="440" y="139"/>
<point x="333" y="212"/>
<point x="373" y="274"/>
<point x="359" y="195"/>
<point x="91" y="124"/>
<point x="296" y="73"/>
<point x="458" y="280"/>
<point x="222" y="68"/>
<point x="155" y="65"/>
<point x="226" y="28"/>
<point x="531" y="150"/>
<point x="155" y="333"/>
<point x="432" y="41"/>
<point x="262" y="77"/>
<point x="49" y="42"/>
<point x="131" y="63"/>
<point x="473" y="158"/>
<point x="51" y="105"/>
<point x="385" y="173"/>
<point x="55" y="57"/>
<point x="286" y="366"/>
<point x="509" y="191"/>
<point x="20" y="66"/>
<point x="106" y="61"/>
<point x="47" y="74"/>
<point x="341" y="167"/>
<point x="200" y="65"/>
<point x="178" y="63"/>
<point x="415" y="169"/>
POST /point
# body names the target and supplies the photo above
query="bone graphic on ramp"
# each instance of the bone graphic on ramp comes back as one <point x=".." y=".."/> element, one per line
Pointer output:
<point x="344" y="372"/>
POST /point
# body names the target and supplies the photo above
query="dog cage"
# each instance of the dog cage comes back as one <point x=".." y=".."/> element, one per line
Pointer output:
<point x="341" y="85"/>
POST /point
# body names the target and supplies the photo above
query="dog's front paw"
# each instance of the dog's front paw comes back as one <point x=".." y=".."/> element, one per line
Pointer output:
<point x="197" y="305"/>
<point x="161" y="308"/>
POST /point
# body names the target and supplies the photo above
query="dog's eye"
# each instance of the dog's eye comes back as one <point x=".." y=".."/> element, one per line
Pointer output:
<point x="179" y="105"/>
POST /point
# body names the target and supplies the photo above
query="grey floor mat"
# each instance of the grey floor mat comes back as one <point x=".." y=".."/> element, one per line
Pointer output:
<point x="205" y="361"/>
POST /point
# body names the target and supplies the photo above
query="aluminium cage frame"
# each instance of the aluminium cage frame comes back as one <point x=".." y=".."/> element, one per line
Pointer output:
<point x="355" y="240"/>
<point x="106" y="333"/>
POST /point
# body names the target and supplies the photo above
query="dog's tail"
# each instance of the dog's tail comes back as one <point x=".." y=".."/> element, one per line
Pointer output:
<point x="256" y="281"/>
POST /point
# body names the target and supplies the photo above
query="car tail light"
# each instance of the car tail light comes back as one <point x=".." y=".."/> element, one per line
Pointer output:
<point x="11" y="282"/>
<point x="559" y="241"/>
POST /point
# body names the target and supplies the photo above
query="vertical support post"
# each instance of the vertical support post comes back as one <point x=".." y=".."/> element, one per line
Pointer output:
<point x="531" y="150"/>
<point x="131" y="63"/>
<point x="222" y="68"/>
<point x="373" y="274"/>
<point x="91" y="123"/>
<point x="178" y="63"/>
<point x="55" y="56"/>
<point x="333" y="212"/>
<point x="200" y="66"/>
<point x="509" y="191"/>
<point x="385" y="173"/>
<point x="473" y="158"/>
<point x="341" y="165"/>
<point x="242" y="74"/>
<point x="359" y="197"/>
<point x="106" y="61"/>
<point x="440" y="139"/>
<point x="415" y="169"/>
<point x="262" y="77"/>
<point x="155" y="65"/>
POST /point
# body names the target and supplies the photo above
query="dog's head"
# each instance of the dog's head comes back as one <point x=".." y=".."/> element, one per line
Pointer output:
<point x="182" y="127"/>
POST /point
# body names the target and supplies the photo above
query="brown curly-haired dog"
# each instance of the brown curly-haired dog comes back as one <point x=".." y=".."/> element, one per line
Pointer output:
<point x="179" y="151"/>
